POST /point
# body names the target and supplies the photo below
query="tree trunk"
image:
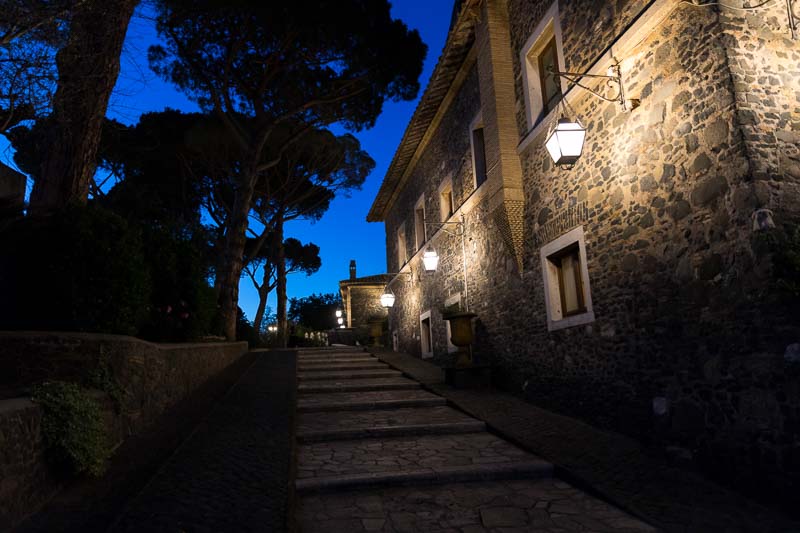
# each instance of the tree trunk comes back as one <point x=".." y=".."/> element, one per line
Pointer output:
<point x="280" y="265"/>
<point x="263" y="293"/>
<point x="88" y="67"/>
<point x="230" y="271"/>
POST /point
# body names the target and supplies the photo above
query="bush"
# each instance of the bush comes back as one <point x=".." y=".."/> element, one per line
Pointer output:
<point x="182" y="305"/>
<point x="88" y="269"/>
<point x="80" y="270"/>
<point x="72" y="428"/>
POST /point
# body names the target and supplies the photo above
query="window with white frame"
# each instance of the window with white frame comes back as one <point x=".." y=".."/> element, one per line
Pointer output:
<point x="425" y="336"/>
<point x="452" y="303"/>
<point x="478" y="146"/>
<point x="446" y="205"/>
<point x="541" y="56"/>
<point x="566" y="281"/>
<point x="419" y="222"/>
<point x="402" y="254"/>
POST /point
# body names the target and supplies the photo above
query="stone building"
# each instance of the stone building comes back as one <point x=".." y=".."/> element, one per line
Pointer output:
<point x="638" y="288"/>
<point x="361" y="297"/>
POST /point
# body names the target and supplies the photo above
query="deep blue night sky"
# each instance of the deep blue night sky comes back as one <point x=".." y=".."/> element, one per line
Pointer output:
<point x="343" y="233"/>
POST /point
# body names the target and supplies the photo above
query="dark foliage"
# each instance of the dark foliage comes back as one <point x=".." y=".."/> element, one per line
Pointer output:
<point x="81" y="270"/>
<point x="316" y="312"/>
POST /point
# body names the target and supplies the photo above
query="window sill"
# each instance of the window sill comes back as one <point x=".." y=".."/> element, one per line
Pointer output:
<point x="570" y="321"/>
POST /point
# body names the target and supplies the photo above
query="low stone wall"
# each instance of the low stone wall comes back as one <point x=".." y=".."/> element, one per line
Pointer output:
<point x="152" y="378"/>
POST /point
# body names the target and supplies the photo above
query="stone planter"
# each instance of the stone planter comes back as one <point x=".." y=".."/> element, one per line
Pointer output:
<point x="461" y="335"/>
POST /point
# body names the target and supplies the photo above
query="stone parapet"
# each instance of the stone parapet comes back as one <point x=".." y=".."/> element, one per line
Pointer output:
<point x="152" y="378"/>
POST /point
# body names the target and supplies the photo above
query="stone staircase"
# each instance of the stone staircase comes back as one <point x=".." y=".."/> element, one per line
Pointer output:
<point x="363" y="426"/>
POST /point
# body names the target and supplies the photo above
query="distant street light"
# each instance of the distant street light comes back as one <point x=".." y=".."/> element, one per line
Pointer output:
<point x="338" y="313"/>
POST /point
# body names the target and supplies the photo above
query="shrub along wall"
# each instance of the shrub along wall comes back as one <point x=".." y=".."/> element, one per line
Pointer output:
<point x="145" y="379"/>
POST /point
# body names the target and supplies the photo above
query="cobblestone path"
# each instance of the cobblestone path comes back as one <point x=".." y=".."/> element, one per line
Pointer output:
<point x="376" y="452"/>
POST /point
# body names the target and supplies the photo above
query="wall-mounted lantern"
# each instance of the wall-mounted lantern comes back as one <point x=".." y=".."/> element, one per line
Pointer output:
<point x="566" y="137"/>
<point x="387" y="298"/>
<point x="430" y="259"/>
<point x="565" y="143"/>
<point x="340" y="320"/>
<point x="338" y="313"/>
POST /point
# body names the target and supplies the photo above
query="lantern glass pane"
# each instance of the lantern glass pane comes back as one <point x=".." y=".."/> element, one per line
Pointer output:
<point x="431" y="260"/>
<point x="387" y="299"/>
<point x="571" y="141"/>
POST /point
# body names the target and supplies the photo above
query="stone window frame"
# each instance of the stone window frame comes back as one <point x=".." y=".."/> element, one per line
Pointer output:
<point x="402" y="249"/>
<point x="548" y="29"/>
<point x="422" y="318"/>
<point x="477" y="123"/>
<point x="552" y="288"/>
<point x="452" y="300"/>
<point x="419" y="224"/>
<point x="446" y="187"/>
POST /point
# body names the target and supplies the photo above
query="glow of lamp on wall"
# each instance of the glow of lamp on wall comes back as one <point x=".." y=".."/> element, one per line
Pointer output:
<point x="430" y="259"/>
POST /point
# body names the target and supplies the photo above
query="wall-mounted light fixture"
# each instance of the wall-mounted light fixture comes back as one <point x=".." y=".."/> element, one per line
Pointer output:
<point x="430" y="259"/>
<point x="566" y="136"/>
<point x="338" y="313"/>
<point x="387" y="298"/>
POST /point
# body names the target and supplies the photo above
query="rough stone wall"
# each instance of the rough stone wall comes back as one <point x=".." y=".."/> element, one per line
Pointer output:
<point x="447" y="154"/>
<point x="24" y="479"/>
<point x="365" y="303"/>
<point x="765" y="65"/>
<point x="679" y="289"/>
<point x="588" y="28"/>
<point x="153" y="378"/>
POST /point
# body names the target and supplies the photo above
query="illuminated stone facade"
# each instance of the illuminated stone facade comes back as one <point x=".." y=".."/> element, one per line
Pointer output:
<point x="686" y="343"/>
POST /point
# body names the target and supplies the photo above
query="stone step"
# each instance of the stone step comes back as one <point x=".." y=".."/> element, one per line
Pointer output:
<point x="366" y="365"/>
<point x="330" y="349"/>
<point x="332" y="355"/>
<point x="348" y="425"/>
<point x="346" y="401"/>
<point x="519" y="505"/>
<point x="353" y="385"/>
<point x="338" y="361"/>
<point x="347" y="374"/>
<point x="338" y="465"/>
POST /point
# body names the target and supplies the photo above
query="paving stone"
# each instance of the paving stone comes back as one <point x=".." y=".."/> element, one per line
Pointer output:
<point x="384" y="422"/>
<point x="470" y="508"/>
<point x="337" y="361"/>
<point x="328" y="366"/>
<point x="347" y="374"/>
<point x="424" y="454"/>
<point x="668" y="497"/>
<point x="376" y="384"/>
<point x="367" y="400"/>
<point x="232" y="474"/>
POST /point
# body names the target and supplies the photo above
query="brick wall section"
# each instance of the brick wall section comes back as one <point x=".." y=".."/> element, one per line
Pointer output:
<point x="153" y="379"/>
<point x="679" y="292"/>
